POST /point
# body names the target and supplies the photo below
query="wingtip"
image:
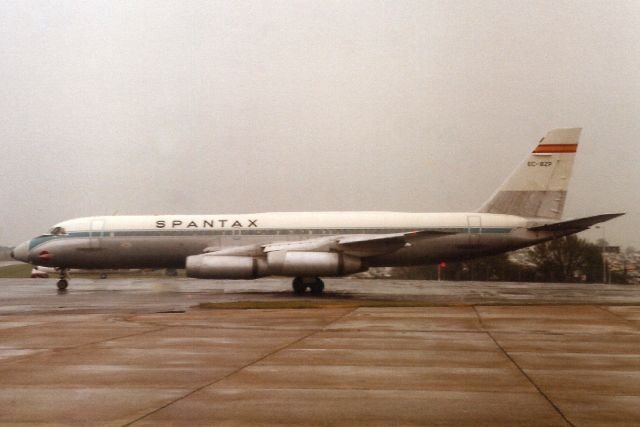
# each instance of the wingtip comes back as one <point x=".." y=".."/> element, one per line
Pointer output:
<point x="608" y="217"/>
<point x="616" y="215"/>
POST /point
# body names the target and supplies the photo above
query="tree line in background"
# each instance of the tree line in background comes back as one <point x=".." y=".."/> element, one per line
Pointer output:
<point x="569" y="259"/>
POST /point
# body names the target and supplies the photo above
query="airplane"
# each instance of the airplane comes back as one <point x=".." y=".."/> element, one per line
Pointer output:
<point x="524" y="211"/>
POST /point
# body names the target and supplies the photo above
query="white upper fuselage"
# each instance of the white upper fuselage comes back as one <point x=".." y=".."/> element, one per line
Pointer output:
<point x="296" y="220"/>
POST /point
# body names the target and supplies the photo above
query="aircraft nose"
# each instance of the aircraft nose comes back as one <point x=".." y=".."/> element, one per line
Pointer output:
<point x="21" y="252"/>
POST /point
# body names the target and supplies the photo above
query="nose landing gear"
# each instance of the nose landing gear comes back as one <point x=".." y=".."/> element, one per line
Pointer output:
<point x="63" y="283"/>
<point x="314" y="284"/>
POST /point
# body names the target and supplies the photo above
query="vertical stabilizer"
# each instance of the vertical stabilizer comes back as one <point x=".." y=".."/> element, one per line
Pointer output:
<point x="538" y="187"/>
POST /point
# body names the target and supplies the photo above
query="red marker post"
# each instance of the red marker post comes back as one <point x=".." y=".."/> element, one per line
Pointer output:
<point x="440" y="267"/>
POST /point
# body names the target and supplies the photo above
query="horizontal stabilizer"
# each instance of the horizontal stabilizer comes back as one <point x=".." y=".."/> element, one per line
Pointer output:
<point x="576" y="224"/>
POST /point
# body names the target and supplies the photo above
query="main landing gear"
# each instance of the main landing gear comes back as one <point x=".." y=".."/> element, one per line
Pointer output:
<point x="64" y="279"/>
<point x="314" y="284"/>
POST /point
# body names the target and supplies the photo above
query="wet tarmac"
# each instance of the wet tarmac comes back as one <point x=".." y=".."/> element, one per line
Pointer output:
<point x="137" y="352"/>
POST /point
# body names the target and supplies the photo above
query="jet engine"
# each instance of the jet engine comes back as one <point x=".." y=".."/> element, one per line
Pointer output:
<point x="312" y="264"/>
<point x="209" y="266"/>
<point x="284" y="263"/>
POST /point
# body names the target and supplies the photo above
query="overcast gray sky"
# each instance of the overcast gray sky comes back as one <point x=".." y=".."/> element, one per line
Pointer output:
<point x="218" y="107"/>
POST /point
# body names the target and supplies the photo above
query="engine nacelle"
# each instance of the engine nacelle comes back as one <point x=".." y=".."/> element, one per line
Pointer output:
<point x="311" y="264"/>
<point x="208" y="266"/>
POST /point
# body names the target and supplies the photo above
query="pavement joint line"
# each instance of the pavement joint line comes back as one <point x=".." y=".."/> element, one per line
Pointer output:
<point x="110" y="339"/>
<point x="231" y="328"/>
<point x="617" y="316"/>
<point x="522" y="371"/>
<point x="56" y="350"/>
<point x="235" y="371"/>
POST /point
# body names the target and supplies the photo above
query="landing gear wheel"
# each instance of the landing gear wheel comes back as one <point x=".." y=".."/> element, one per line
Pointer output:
<point x="64" y="276"/>
<point x="299" y="286"/>
<point x="317" y="287"/>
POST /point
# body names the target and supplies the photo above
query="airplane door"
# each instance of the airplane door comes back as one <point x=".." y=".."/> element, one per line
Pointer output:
<point x="474" y="229"/>
<point x="95" y="235"/>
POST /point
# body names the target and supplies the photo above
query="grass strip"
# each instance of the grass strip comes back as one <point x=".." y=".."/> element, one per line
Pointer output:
<point x="15" y="271"/>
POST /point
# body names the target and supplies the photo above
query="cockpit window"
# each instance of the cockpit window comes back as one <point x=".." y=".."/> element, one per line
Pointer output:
<point x="57" y="231"/>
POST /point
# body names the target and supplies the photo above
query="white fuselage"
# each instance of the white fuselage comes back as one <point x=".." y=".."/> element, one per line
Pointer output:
<point x="164" y="241"/>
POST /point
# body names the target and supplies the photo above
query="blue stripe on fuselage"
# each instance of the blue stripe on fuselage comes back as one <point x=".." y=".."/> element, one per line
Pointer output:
<point x="42" y="239"/>
<point x="261" y="231"/>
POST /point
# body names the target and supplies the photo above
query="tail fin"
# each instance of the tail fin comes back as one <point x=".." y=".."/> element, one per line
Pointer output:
<point x="538" y="187"/>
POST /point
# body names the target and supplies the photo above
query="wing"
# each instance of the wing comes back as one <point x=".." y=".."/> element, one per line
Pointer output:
<point x="360" y="245"/>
